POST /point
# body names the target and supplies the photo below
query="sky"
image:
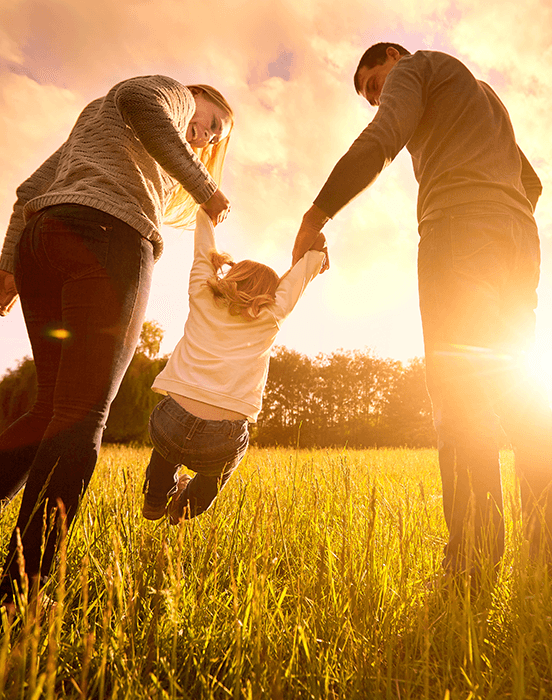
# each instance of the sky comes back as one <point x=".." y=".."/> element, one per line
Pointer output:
<point x="286" y="67"/>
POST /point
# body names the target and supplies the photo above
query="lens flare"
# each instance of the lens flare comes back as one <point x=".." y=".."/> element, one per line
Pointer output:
<point x="59" y="333"/>
<point x="473" y="352"/>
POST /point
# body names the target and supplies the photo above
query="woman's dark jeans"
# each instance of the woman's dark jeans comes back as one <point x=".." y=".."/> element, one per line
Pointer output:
<point x="83" y="278"/>
<point x="211" y="448"/>
<point x="478" y="269"/>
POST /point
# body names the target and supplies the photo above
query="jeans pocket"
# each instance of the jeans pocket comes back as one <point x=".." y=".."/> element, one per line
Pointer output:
<point x="482" y="245"/>
<point x="75" y="245"/>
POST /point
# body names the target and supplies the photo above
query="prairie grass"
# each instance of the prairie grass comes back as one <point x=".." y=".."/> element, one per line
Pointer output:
<point x="307" y="579"/>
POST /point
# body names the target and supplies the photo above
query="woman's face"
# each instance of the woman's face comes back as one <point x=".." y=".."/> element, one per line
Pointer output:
<point x="210" y="123"/>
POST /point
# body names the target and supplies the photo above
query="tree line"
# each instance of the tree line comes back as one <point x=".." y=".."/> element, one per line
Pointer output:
<point x="346" y="398"/>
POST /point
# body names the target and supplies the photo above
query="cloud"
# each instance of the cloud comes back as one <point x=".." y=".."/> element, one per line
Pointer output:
<point x="286" y="67"/>
<point x="34" y="121"/>
<point x="511" y="43"/>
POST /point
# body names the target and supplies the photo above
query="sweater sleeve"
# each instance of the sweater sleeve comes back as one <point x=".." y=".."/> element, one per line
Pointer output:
<point x="158" y="110"/>
<point x="294" y="283"/>
<point x="530" y="180"/>
<point x="204" y="242"/>
<point x="37" y="184"/>
<point x="401" y="108"/>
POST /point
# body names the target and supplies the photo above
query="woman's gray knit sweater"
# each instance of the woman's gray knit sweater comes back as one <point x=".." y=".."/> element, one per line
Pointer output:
<point x="124" y="155"/>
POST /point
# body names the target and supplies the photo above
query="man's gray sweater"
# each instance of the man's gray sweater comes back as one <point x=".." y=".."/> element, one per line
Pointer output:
<point x="457" y="131"/>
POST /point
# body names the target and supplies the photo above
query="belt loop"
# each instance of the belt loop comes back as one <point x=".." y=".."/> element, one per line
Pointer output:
<point x="194" y="427"/>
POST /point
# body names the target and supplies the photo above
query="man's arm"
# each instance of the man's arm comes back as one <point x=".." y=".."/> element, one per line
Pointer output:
<point x="401" y="107"/>
<point x="309" y="235"/>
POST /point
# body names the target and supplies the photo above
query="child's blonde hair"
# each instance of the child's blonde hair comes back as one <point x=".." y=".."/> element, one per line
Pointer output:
<point x="181" y="208"/>
<point x="246" y="288"/>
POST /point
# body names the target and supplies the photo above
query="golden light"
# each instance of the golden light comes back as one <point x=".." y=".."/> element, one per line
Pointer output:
<point x="59" y="333"/>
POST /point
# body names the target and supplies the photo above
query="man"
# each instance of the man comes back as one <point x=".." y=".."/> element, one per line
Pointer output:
<point x="478" y="269"/>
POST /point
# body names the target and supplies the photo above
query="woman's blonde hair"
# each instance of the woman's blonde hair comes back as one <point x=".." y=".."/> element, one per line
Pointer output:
<point x="181" y="208"/>
<point x="246" y="288"/>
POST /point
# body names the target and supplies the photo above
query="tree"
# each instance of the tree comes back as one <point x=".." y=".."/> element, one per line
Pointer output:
<point x="17" y="392"/>
<point x="408" y="414"/>
<point x="135" y="400"/>
<point x="348" y="397"/>
<point x="149" y="343"/>
<point x="286" y="403"/>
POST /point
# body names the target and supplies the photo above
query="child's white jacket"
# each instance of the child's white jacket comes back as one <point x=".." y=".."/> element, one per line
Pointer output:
<point x="221" y="359"/>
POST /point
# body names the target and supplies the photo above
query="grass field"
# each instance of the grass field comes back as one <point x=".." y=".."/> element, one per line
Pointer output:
<point x="307" y="579"/>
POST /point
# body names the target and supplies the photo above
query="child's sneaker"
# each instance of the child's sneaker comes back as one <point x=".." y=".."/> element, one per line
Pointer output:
<point x="153" y="508"/>
<point x="175" y="509"/>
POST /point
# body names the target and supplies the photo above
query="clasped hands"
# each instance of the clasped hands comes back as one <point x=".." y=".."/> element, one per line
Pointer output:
<point x="310" y="236"/>
<point x="217" y="207"/>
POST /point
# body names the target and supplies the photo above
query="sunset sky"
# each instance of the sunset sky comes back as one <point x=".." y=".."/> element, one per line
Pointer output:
<point x="286" y="67"/>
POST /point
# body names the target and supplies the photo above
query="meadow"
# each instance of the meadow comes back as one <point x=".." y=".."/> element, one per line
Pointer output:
<point x="307" y="579"/>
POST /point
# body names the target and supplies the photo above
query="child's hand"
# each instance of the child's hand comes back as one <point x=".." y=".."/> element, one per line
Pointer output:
<point x="320" y="244"/>
<point x="308" y="233"/>
<point x="217" y="207"/>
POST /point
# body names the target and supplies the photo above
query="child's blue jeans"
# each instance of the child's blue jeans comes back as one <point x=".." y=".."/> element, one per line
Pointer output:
<point x="211" y="448"/>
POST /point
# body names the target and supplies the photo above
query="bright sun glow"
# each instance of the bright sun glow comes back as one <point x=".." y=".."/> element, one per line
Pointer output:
<point x="539" y="364"/>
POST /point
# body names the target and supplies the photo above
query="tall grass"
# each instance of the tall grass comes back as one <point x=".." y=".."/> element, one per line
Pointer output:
<point x="307" y="579"/>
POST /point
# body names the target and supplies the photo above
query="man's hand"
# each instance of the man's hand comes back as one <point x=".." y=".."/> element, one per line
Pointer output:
<point x="308" y="235"/>
<point x="8" y="292"/>
<point x="320" y="245"/>
<point x="217" y="207"/>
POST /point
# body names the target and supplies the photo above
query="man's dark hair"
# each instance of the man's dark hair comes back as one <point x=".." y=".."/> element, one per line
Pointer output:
<point x="377" y="55"/>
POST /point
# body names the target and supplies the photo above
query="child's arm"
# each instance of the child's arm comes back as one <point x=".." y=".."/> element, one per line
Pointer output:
<point x="204" y="242"/>
<point x="320" y="244"/>
<point x="295" y="281"/>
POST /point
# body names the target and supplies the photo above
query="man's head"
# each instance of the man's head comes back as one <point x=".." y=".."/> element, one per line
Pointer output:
<point x="374" y="67"/>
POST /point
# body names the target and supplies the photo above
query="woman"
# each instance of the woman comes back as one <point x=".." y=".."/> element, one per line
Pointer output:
<point x="79" y="250"/>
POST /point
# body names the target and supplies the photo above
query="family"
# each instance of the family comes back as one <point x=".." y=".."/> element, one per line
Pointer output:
<point x="85" y="233"/>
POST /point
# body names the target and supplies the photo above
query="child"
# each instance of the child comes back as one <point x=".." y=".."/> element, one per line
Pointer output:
<point x="215" y="378"/>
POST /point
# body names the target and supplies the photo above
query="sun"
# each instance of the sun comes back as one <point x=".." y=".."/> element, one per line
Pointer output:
<point x="539" y="360"/>
<point x="539" y="365"/>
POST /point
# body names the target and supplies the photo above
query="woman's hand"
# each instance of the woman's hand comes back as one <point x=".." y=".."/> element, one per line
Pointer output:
<point x="217" y="207"/>
<point x="8" y="292"/>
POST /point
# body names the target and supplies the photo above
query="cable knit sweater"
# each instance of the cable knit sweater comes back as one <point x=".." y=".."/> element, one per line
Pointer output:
<point x="125" y="153"/>
<point x="222" y="359"/>
<point x="457" y="131"/>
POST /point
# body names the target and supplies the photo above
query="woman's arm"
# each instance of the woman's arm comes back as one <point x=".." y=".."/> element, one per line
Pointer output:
<point x="158" y="109"/>
<point x="217" y="207"/>
<point x="8" y="292"/>
<point x="37" y="184"/>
